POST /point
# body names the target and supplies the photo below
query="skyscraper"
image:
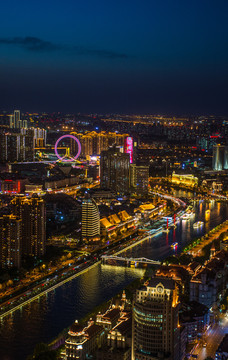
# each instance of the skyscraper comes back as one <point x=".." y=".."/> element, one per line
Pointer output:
<point x="10" y="241"/>
<point x="115" y="170"/>
<point x="32" y="213"/>
<point x="139" y="178"/>
<point x="17" y="119"/>
<point x="220" y="157"/>
<point x="90" y="220"/>
<point x="155" y="321"/>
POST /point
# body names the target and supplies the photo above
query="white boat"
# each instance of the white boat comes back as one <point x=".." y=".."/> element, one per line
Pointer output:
<point x="174" y="245"/>
<point x="186" y="216"/>
<point x="198" y="224"/>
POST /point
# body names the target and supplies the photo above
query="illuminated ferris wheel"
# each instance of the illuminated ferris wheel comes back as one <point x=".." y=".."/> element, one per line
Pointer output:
<point x="67" y="157"/>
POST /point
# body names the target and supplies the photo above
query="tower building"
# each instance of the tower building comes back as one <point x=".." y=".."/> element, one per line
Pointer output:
<point x="115" y="170"/>
<point x="32" y="212"/>
<point x="220" y="157"/>
<point x="10" y="241"/>
<point x="17" y="119"/>
<point x="139" y="178"/>
<point x="90" y="220"/>
<point x="155" y="321"/>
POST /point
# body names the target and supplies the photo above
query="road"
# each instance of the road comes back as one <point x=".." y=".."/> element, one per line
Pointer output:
<point x="212" y="338"/>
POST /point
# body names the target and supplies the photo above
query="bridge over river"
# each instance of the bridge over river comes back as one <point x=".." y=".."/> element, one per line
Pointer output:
<point x="130" y="260"/>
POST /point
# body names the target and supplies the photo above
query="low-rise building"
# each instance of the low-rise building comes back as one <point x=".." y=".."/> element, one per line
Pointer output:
<point x="210" y="281"/>
<point x="83" y="341"/>
<point x="195" y="318"/>
<point x="222" y="351"/>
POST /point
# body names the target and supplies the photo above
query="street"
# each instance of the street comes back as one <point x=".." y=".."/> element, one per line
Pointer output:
<point x="212" y="338"/>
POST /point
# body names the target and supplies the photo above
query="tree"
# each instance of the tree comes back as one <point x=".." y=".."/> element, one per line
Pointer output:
<point x="42" y="352"/>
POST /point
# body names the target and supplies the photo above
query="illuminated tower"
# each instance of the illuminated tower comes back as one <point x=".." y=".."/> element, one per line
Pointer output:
<point x="155" y="329"/>
<point x="90" y="220"/>
<point x="10" y="241"/>
<point x="32" y="212"/>
<point x="17" y="119"/>
<point x="11" y="121"/>
<point x="115" y="170"/>
<point x="219" y="160"/>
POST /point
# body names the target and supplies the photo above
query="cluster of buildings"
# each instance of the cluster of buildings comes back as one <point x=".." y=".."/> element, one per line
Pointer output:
<point x="157" y="324"/>
<point x="18" y="142"/>
<point x="23" y="232"/>
<point x="116" y="225"/>
<point x="184" y="179"/>
<point x="93" y="143"/>
<point x="121" y="176"/>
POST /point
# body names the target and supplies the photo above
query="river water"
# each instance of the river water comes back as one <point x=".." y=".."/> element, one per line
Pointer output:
<point x="44" y="319"/>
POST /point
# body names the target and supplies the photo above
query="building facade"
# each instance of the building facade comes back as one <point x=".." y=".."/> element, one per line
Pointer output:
<point x="10" y="241"/>
<point x="32" y="212"/>
<point x="139" y="178"/>
<point x="220" y="157"/>
<point x="90" y="220"/>
<point x="155" y="327"/>
<point x="114" y="167"/>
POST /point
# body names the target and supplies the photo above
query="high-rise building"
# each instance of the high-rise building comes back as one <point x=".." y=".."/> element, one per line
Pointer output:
<point x="114" y="167"/>
<point x="93" y="143"/>
<point x="40" y="137"/>
<point x="10" y="241"/>
<point x="17" y="119"/>
<point x="11" y="121"/>
<point x="220" y="157"/>
<point x="32" y="212"/>
<point x="90" y="220"/>
<point x="155" y="327"/>
<point x="139" y="178"/>
<point x="16" y="147"/>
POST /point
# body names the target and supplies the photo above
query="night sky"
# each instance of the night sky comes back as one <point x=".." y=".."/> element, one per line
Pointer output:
<point x="162" y="56"/>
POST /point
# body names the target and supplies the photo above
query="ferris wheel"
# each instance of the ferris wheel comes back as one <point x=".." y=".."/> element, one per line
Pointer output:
<point x="67" y="157"/>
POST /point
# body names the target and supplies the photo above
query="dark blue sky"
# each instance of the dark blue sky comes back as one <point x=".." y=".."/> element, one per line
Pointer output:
<point x="114" y="56"/>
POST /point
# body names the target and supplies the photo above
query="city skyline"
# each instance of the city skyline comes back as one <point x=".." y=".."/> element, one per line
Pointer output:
<point x="128" y="58"/>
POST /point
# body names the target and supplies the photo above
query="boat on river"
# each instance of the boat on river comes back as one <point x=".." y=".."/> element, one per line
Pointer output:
<point x="198" y="224"/>
<point x="174" y="245"/>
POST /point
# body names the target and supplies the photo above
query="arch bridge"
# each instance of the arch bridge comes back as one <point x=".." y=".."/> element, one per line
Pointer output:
<point x="141" y="260"/>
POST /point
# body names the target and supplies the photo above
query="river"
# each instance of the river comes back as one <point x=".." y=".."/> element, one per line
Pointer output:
<point x="44" y="319"/>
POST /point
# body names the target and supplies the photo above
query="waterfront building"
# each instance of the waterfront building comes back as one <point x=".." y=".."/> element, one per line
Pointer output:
<point x="32" y="212"/>
<point x="115" y="170"/>
<point x="90" y="220"/>
<point x="109" y="319"/>
<point x="10" y="241"/>
<point x="188" y="179"/>
<point x="116" y="224"/>
<point x="139" y="178"/>
<point x="118" y="345"/>
<point x="83" y="341"/>
<point x="155" y="327"/>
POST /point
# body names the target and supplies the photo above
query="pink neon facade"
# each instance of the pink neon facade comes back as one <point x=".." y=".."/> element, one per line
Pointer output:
<point x="128" y="147"/>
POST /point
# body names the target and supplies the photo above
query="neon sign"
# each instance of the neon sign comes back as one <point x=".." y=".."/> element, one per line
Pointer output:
<point x="128" y="148"/>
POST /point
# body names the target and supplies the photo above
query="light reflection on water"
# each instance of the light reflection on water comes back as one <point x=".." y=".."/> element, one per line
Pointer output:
<point x="45" y="318"/>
